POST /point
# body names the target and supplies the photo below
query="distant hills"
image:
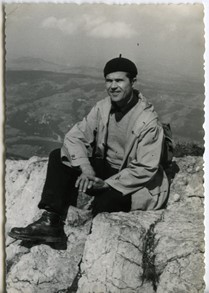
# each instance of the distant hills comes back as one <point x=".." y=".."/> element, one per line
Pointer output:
<point x="31" y="63"/>
<point x="44" y="100"/>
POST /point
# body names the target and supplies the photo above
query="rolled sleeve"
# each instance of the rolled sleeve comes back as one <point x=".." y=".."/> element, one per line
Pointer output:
<point x="77" y="145"/>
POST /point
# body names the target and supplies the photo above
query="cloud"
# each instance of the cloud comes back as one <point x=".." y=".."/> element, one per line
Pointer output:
<point x="113" y="30"/>
<point x="62" y="24"/>
<point x="97" y="27"/>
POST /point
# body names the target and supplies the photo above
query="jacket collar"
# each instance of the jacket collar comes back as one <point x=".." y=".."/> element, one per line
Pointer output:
<point x="120" y="112"/>
<point x="142" y="104"/>
<point x="106" y="106"/>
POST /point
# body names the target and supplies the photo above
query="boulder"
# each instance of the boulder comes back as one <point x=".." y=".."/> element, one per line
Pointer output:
<point x="141" y="251"/>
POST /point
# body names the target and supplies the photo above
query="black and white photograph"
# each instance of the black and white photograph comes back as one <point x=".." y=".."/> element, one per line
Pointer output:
<point x="104" y="145"/>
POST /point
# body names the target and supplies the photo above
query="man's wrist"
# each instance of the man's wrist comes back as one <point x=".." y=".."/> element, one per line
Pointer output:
<point x="87" y="168"/>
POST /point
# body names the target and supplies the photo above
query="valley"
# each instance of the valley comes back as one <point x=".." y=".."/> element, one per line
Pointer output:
<point x="41" y="106"/>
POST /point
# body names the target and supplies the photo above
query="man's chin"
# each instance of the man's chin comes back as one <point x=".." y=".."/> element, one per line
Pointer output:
<point x="115" y="98"/>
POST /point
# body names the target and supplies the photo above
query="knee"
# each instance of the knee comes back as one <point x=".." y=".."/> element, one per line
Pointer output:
<point x="111" y="202"/>
<point x="55" y="154"/>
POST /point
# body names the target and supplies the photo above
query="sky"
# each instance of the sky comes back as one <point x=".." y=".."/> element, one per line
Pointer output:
<point x="164" y="37"/>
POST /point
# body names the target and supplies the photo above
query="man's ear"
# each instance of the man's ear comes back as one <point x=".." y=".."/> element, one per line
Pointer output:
<point x="133" y="81"/>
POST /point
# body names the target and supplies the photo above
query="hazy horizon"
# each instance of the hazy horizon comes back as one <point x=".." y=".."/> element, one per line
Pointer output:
<point x="164" y="37"/>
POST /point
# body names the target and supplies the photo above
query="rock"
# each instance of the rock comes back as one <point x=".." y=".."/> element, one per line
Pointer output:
<point x="176" y="197"/>
<point x="141" y="251"/>
<point x="114" y="258"/>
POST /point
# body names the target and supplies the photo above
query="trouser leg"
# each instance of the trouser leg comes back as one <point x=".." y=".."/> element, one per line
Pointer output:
<point x="59" y="191"/>
<point x="111" y="201"/>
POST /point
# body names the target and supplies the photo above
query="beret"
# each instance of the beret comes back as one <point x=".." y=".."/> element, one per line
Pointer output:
<point x="120" y="64"/>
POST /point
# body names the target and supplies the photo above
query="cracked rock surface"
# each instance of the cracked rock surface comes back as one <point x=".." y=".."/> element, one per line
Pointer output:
<point x="153" y="251"/>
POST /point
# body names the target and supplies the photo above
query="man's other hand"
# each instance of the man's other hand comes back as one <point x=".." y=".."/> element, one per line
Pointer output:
<point x="98" y="183"/>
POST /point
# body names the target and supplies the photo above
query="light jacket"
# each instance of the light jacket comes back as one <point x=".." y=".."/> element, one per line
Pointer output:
<point x="140" y="174"/>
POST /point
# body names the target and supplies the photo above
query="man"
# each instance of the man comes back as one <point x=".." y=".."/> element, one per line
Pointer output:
<point x="113" y="154"/>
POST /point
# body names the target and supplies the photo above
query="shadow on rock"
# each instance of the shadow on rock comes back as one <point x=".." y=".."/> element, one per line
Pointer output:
<point x="171" y="171"/>
<point x="56" y="246"/>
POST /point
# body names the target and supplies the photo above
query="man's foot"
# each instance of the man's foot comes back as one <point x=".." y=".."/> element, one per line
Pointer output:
<point x="49" y="228"/>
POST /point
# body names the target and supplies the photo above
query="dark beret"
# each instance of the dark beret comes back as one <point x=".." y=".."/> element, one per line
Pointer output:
<point x="120" y="64"/>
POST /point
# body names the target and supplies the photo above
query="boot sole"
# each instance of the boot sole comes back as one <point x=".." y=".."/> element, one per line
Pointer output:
<point x="46" y="239"/>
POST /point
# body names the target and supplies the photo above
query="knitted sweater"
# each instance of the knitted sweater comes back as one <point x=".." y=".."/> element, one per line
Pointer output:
<point x="116" y="140"/>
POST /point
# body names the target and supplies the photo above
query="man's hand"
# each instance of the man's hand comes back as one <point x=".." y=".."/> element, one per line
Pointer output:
<point x="85" y="180"/>
<point x="99" y="183"/>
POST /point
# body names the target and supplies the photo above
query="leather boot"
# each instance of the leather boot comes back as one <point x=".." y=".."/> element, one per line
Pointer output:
<point x="49" y="228"/>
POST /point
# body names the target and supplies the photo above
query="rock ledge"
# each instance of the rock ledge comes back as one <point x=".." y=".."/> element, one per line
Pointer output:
<point x="154" y="251"/>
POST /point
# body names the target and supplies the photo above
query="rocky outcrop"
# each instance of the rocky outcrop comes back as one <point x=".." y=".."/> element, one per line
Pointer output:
<point x="153" y="251"/>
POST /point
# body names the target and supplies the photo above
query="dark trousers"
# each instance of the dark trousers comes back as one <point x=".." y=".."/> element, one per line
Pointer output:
<point x="59" y="191"/>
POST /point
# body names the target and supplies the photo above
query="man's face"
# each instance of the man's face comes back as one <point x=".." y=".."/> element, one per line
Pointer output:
<point x="119" y="87"/>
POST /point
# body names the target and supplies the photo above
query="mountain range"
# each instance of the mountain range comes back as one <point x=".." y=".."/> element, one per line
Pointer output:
<point x="44" y="99"/>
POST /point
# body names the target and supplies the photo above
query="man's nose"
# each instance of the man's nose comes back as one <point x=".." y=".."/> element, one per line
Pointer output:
<point x="114" y="84"/>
